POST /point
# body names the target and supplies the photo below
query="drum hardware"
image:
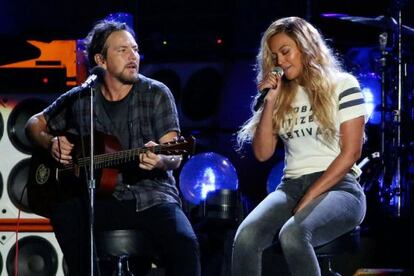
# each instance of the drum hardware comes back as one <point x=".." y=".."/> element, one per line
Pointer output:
<point x="385" y="22"/>
<point x="393" y="187"/>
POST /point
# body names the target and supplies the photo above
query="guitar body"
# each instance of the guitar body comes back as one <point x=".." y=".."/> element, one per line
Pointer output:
<point x="47" y="185"/>
<point x="50" y="182"/>
<point x="107" y="176"/>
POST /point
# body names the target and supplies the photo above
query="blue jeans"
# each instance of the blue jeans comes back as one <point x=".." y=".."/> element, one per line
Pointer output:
<point x="165" y="225"/>
<point x="328" y="216"/>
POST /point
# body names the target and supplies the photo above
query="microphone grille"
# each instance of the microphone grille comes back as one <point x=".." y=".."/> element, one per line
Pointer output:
<point x="277" y="71"/>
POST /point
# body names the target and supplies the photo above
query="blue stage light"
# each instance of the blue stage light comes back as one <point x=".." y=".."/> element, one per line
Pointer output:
<point x="275" y="176"/>
<point x="206" y="172"/>
<point x="124" y="17"/>
<point x="371" y="89"/>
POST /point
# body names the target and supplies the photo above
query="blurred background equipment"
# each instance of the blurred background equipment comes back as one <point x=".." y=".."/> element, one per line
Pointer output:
<point x="28" y="83"/>
<point x="204" y="173"/>
<point x="39" y="254"/>
<point x="390" y="68"/>
<point x="209" y="184"/>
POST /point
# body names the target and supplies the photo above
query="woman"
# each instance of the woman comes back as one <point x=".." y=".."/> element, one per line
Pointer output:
<point x="318" y="111"/>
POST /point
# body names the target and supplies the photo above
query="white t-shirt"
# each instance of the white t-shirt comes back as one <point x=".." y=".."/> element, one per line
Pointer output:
<point x="305" y="150"/>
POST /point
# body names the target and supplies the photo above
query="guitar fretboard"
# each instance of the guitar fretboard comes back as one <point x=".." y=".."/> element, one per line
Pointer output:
<point x="114" y="159"/>
<point x="117" y="158"/>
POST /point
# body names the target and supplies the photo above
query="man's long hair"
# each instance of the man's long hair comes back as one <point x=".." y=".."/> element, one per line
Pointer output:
<point x="95" y="41"/>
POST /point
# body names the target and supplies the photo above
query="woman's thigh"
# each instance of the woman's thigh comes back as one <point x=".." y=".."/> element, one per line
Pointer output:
<point x="264" y="221"/>
<point x="333" y="213"/>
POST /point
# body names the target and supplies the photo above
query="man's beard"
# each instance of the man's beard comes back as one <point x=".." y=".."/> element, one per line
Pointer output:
<point x="128" y="79"/>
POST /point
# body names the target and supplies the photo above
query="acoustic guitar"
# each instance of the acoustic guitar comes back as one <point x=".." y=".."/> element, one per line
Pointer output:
<point x="50" y="182"/>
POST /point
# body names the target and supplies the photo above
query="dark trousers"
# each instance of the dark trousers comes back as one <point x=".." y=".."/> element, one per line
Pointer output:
<point x="165" y="225"/>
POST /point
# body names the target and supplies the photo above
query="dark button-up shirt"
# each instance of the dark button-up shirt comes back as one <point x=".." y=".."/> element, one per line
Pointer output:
<point x="151" y="114"/>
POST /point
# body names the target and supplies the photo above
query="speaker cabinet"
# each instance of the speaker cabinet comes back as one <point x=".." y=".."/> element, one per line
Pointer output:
<point x="197" y="88"/>
<point x="15" y="148"/>
<point x="38" y="254"/>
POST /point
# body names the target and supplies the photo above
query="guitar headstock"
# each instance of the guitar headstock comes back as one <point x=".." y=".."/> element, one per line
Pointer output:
<point x="180" y="146"/>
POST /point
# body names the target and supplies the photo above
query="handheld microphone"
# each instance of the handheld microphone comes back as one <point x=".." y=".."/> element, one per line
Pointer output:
<point x="97" y="75"/>
<point x="277" y="71"/>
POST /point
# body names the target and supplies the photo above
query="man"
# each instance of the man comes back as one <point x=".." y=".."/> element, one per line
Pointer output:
<point x="139" y="112"/>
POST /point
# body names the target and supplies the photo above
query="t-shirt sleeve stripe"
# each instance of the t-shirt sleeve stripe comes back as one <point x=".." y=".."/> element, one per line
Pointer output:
<point x="351" y="103"/>
<point x="348" y="92"/>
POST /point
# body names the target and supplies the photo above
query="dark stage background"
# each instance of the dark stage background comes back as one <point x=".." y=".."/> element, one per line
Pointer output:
<point x="205" y="52"/>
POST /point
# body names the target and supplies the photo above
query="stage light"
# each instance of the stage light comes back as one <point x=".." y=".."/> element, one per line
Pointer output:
<point x="371" y="89"/>
<point x="219" y="41"/>
<point x="334" y="15"/>
<point x="275" y="176"/>
<point x="369" y="98"/>
<point x="124" y="17"/>
<point x="204" y="173"/>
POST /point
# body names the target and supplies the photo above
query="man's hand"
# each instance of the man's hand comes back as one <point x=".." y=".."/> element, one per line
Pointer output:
<point x="150" y="160"/>
<point x="61" y="149"/>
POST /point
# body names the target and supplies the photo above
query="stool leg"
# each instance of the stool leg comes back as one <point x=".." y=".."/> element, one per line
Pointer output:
<point x="118" y="270"/>
<point x="330" y="269"/>
<point x="128" y="272"/>
<point x="120" y="267"/>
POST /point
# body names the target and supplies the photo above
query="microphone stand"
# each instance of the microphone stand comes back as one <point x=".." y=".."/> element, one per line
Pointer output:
<point x="383" y="63"/>
<point x="397" y="119"/>
<point x="91" y="183"/>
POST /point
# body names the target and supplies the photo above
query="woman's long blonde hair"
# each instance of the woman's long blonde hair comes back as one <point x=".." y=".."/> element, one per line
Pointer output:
<point x="318" y="77"/>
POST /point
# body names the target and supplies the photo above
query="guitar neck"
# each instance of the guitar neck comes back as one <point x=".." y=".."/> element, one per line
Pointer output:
<point x="106" y="160"/>
<point x="112" y="159"/>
